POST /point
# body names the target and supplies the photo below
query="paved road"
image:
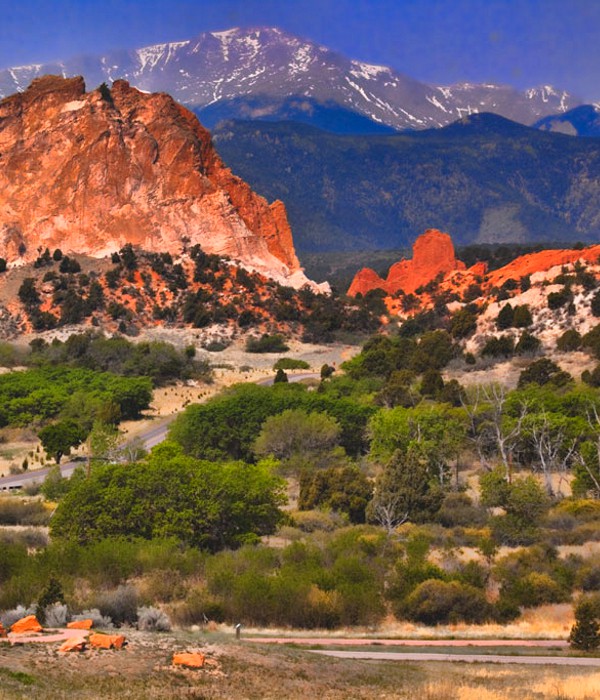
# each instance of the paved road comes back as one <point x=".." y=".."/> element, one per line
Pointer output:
<point x="372" y="641"/>
<point x="149" y="439"/>
<point x="468" y="658"/>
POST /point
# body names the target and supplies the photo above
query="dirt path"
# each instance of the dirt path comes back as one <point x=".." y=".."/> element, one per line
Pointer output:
<point x="468" y="658"/>
<point x="357" y="642"/>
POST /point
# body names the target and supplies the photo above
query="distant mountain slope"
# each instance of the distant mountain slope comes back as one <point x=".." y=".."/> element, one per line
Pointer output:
<point x="243" y="65"/>
<point x="482" y="179"/>
<point x="581" y="121"/>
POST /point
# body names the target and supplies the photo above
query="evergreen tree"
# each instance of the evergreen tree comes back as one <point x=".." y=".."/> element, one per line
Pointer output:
<point x="585" y="633"/>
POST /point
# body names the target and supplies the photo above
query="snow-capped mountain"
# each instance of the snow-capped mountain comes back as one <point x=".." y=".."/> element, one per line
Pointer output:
<point x="239" y="64"/>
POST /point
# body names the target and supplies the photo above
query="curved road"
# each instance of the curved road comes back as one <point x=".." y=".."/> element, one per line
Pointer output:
<point x="149" y="438"/>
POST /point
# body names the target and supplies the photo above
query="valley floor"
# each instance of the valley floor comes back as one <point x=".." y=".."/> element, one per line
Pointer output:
<point x="246" y="670"/>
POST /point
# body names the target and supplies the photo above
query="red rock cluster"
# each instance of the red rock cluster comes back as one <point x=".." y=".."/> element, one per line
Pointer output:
<point x="433" y="255"/>
<point x="89" y="172"/>
<point x="433" y="258"/>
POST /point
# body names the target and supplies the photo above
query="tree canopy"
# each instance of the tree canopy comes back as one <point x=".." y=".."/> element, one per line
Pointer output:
<point x="204" y="504"/>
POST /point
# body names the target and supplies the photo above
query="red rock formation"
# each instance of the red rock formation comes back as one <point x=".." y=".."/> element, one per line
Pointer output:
<point x="26" y="624"/>
<point x="89" y="172"/>
<point x="107" y="641"/>
<point x="365" y="280"/>
<point x="540" y="262"/>
<point x="433" y="254"/>
<point x="189" y="659"/>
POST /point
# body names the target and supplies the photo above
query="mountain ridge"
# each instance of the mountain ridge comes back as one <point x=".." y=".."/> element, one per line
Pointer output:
<point x="484" y="179"/>
<point x="239" y="63"/>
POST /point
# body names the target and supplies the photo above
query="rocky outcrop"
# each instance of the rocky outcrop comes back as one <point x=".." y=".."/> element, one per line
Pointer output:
<point x="540" y="262"/>
<point x="433" y="255"/>
<point x="89" y="172"/>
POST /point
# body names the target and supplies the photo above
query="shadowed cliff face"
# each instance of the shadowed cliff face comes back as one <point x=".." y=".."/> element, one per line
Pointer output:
<point x="89" y="172"/>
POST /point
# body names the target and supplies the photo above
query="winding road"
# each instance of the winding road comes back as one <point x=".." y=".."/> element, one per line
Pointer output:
<point x="148" y="438"/>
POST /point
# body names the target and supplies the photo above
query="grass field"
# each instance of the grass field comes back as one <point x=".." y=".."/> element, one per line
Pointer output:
<point x="255" y="672"/>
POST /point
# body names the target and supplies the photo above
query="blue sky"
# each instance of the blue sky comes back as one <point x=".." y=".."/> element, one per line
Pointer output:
<point x="523" y="43"/>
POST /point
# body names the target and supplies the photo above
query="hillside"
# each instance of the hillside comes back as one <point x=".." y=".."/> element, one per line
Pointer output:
<point x="483" y="179"/>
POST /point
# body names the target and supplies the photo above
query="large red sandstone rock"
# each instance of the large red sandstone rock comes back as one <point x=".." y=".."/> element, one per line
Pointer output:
<point x="189" y="659"/>
<point x="433" y="255"/>
<point x="365" y="280"/>
<point x="25" y="625"/>
<point x="107" y="641"/>
<point x="80" y="625"/>
<point x="89" y="172"/>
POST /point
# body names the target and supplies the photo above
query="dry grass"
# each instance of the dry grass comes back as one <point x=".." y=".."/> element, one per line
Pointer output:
<point x="253" y="672"/>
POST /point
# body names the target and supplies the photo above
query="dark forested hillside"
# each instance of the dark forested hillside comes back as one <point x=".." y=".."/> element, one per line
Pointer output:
<point x="483" y="179"/>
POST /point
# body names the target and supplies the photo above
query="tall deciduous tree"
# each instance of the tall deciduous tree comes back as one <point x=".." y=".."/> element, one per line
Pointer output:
<point x="204" y="504"/>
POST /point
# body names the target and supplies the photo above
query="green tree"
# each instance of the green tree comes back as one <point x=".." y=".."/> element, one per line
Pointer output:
<point x="544" y="371"/>
<point x="527" y="344"/>
<point x="58" y="438"/>
<point x="595" y="305"/>
<point x="342" y="489"/>
<point x="300" y="440"/>
<point x="403" y="491"/>
<point x="55" y="486"/>
<point x="462" y="324"/>
<point x="569" y="341"/>
<point x="432" y="383"/>
<point x="505" y="317"/>
<point x="204" y="504"/>
<point x="280" y="377"/>
<point x="585" y="633"/>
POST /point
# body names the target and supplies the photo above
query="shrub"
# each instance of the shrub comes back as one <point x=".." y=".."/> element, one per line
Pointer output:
<point x="290" y="363"/>
<point x="502" y="346"/>
<point x="544" y="371"/>
<point x="9" y="617"/>
<point x="435" y="602"/>
<point x="558" y="299"/>
<point x="528" y="344"/>
<point x="120" y="605"/>
<point x="505" y="317"/>
<point x="458" y="509"/>
<point x="318" y="520"/>
<point x="99" y="621"/>
<point x="56" y="615"/>
<point x="569" y="341"/>
<point x="266" y="343"/>
<point x="522" y="316"/>
<point x="151" y="619"/>
<point x="17" y="511"/>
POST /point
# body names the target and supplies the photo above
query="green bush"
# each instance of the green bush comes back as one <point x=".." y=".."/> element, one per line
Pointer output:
<point x="266" y="343"/>
<point x="290" y="363"/>
<point x="19" y="511"/>
<point x="435" y="602"/>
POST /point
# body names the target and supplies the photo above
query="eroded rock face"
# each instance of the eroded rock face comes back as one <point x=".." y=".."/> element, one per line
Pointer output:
<point x="89" y="172"/>
<point x="433" y="255"/>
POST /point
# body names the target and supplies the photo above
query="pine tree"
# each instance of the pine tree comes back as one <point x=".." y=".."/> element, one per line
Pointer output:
<point x="585" y="633"/>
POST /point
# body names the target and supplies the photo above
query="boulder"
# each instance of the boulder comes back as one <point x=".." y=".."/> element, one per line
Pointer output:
<point x="80" y="625"/>
<point x="107" y="641"/>
<point x="73" y="644"/>
<point x="26" y="625"/>
<point x="189" y="659"/>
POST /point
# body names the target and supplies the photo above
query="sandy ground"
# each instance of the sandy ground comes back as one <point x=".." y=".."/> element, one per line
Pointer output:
<point x="231" y="366"/>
